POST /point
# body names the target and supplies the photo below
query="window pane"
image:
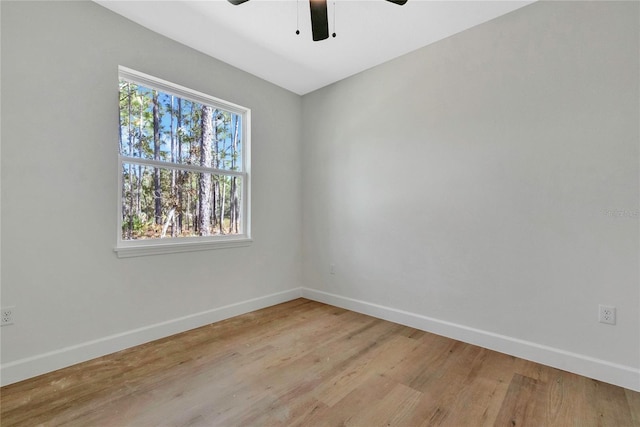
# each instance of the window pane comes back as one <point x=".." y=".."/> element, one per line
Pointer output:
<point x="160" y="126"/>
<point x="163" y="203"/>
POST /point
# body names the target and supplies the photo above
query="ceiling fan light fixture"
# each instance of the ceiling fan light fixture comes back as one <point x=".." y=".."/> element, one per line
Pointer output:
<point x="319" y="17"/>
<point x="319" y="20"/>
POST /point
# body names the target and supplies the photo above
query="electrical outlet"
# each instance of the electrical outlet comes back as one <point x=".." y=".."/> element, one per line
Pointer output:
<point x="332" y="269"/>
<point x="7" y="315"/>
<point x="607" y="314"/>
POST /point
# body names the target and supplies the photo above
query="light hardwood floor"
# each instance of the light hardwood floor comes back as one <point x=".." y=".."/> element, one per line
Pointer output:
<point x="303" y="363"/>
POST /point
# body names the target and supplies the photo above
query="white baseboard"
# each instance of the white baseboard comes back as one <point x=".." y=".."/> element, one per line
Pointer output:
<point x="624" y="376"/>
<point x="40" y="364"/>
<point x="620" y="375"/>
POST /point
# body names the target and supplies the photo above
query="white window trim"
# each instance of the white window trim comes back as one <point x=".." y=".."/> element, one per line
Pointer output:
<point x="134" y="248"/>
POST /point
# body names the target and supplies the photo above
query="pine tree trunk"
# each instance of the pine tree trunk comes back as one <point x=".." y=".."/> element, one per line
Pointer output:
<point x="222" y="198"/>
<point x="131" y="170"/>
<point x="141" y="170"/>
<point x="194" y="158"/>
<point x="233" y="196"/>
<point x="216" y="163"/>
<point x="157" y="191"/>
<point x="204" y="188"/>
<point x="174" y="192"/>
<point x="180" y="174"/>
<point x="170" y="220"/>
<point x="216" y="203"/>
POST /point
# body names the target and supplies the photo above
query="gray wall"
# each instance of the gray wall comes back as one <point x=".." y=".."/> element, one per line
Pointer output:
<point x="473" y="181"/>
<point x="59" y="183"/>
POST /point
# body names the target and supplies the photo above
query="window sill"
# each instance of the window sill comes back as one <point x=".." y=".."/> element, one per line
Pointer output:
<point x="147" y="247"/>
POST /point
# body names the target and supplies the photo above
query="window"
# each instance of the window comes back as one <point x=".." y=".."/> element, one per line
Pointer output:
<point x="183" y="169"/>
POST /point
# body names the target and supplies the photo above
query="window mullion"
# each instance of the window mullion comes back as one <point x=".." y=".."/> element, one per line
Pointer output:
<point x="179" y="166"/>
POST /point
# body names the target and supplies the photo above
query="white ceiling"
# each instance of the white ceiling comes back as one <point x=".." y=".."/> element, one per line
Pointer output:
<point x="259" y="36"/>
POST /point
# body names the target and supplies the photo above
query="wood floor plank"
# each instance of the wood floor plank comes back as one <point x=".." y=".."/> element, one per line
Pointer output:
<point x="392" y="409"/>
<point x="562" y="397"/>
<point x="478" y="398"/>
<point x="309" y="367"/>
<point x="633" y="400"/>
<point x="304" y="363"/>
<point x="345" y="381"/>
<point x="608" y="402"/>
<point x="356" y="404"/>
<point x="519" y="406"/>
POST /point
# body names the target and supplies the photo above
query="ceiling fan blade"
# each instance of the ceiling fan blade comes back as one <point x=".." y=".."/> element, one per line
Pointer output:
<point x="237" y="2"/>
<point x="319" y="20"/>
<point x="398" y="2"/>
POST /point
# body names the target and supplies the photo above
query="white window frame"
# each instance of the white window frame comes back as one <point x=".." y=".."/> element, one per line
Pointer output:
<point x="132" y="248"/>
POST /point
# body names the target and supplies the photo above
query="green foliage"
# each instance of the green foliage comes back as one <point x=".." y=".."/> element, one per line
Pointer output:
<point x="136" y="224"/>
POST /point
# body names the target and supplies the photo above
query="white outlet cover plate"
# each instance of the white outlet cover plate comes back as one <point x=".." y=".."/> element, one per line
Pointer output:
<point x="607" y="314"/>
<point x="7" y="315"/>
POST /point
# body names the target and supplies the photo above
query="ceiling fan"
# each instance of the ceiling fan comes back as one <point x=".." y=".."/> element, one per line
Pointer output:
<point x="319" y="18"/>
